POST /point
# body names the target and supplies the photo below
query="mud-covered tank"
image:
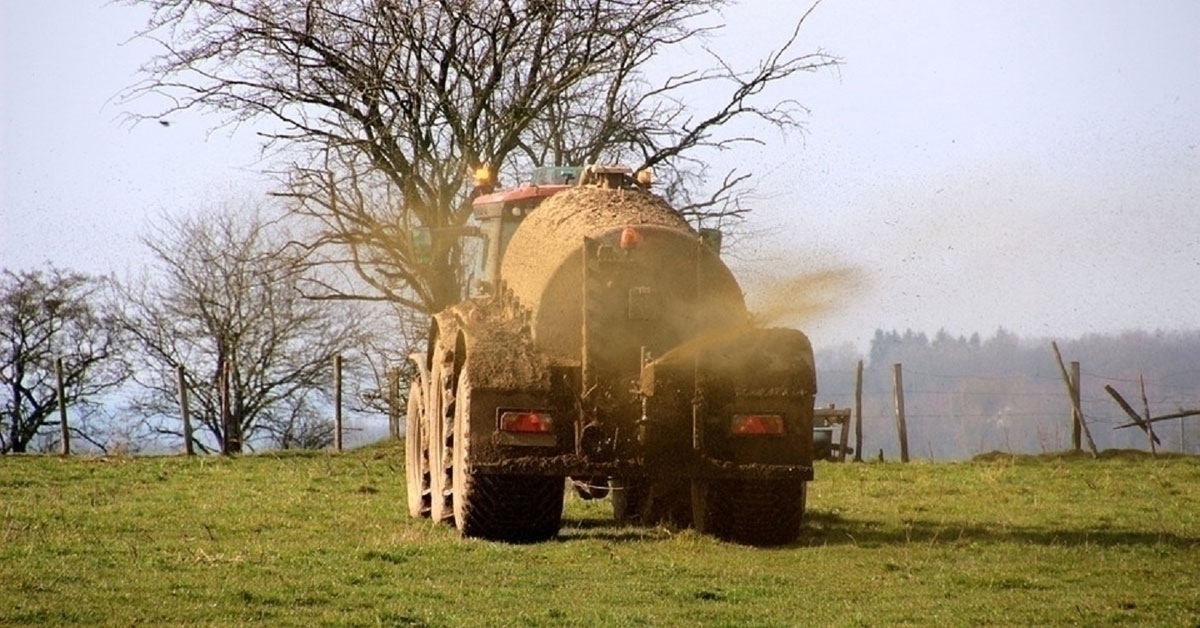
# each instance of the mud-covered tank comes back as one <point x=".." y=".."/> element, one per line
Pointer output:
<point x="652" y="281"/>
<point x="614" y="349"/>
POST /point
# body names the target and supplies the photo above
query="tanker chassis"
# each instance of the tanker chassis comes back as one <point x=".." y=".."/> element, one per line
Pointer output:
<point x="611" y="346"/>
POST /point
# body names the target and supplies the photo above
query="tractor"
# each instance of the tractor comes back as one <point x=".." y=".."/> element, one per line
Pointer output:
<point x="607" y="348"/>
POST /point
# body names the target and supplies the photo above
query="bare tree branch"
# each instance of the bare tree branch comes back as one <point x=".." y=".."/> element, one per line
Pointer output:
<point x="225" y="297"/>
<point x="386" y="107"/>
<point x="45" y="316"/>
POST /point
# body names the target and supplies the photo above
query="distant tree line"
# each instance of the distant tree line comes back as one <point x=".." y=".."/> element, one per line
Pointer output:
<point x="970" y="395"/>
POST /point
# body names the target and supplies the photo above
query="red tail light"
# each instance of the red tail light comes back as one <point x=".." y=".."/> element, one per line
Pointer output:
<point x="526" y="422"/>
<point x="756" y="424"/>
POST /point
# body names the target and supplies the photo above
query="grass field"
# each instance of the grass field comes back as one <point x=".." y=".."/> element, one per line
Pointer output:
<point x="322" y="540"/>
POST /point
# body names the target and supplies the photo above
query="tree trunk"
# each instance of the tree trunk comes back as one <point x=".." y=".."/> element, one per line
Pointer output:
<point x="444" y="285"/>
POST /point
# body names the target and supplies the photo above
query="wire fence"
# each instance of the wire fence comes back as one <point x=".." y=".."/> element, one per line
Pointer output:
<point x="956" y="415"/>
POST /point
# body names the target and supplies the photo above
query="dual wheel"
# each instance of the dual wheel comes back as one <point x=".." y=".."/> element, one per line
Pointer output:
<point x="441" y="484"/>
<point x="520" y="509"/>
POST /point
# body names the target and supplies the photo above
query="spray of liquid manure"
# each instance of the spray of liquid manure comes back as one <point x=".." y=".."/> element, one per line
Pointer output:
<point x="792" y="300"/>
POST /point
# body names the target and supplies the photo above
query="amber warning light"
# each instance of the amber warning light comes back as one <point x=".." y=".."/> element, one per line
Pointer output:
<point x="756" y="424"/>
<point x="482" y="175"/>
<point x="526" y="422"/>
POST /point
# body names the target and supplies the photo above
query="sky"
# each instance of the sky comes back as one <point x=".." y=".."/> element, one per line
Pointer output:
<point x="971" y="165"/>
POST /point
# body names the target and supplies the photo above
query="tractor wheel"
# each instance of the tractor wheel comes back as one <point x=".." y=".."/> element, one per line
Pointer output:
<point x="416" y="455"/>
<point x="757" y="512"/>
<point x="439" y="408"/>
<point x="510" y="508"/>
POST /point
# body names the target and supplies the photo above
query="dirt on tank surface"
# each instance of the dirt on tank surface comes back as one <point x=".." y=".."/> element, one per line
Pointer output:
<point x="544" y="272"/>
<point x="553" y="232"/>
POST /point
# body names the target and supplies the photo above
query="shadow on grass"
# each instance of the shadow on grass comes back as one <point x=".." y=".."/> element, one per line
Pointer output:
<point x="825" y="528"/>
<point x="595" y="529"/>
<point x="1131" y="455"/>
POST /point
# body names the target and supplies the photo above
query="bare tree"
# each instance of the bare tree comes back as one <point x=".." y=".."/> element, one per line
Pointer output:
<point x="45" y="316"/>
<point x="386" y="107"/>
<point x="223" y="298"/>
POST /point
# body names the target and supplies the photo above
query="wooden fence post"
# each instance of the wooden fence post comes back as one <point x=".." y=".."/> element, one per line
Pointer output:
<point x="858" y="407"/>
<point x="1146" y="409"/>
<point x="901" y="426"/>
<point x="337" y="402"/>
<point x="1073" y="392"/>
<point x="184" y="412"/>
<point x="394" y="403"/>
<point x="226" y="422"/>
<point x="60" y="390"/>
<point x="1145" y="425"/>
<point x="1073" y="389"/>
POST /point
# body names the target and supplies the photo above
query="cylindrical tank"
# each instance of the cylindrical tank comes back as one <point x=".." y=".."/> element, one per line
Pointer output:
<point x="656" y="287"/>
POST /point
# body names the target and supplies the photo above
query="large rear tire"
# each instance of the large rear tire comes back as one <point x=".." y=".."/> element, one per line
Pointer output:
<point x="510" y="508"/>
<point x="757" y="512"/>
<point x="440" y="408"/>
<point x="416" y="455"/>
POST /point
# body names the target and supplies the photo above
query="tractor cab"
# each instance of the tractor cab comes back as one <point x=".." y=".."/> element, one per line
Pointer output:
<point x="500" y="213"/>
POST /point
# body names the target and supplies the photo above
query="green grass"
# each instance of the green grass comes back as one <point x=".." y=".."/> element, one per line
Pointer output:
<point x="322" y="540"/>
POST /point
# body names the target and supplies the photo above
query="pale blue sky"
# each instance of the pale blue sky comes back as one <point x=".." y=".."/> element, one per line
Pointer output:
<point x="1032" y="165"/>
